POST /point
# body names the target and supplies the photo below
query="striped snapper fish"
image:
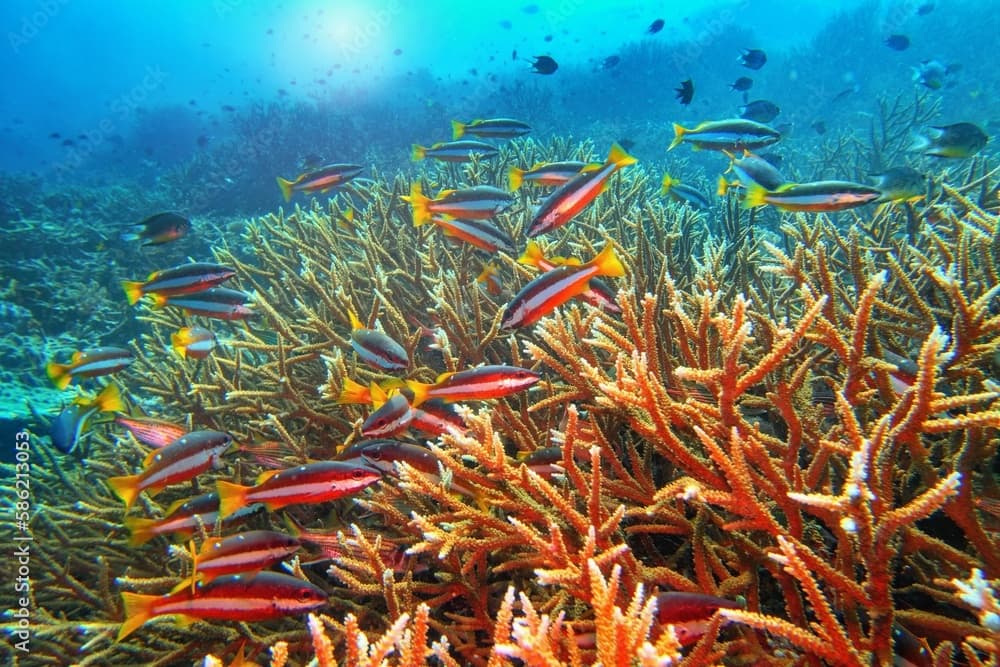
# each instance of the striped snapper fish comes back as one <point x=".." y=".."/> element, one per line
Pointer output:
<point x="734" y="134"/>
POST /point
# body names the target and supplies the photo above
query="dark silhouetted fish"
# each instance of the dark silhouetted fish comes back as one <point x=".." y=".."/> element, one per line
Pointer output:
<point x="655" y="27"/>
<point x="762" y="111"/>
<point x="610" y="61"/>
<point x="544" y="65"/>
<point x="686" y="92"/>
<point x="898" y="42"/>
<point x="159" y="229"/>
<point x="742" y="84"/>
<point x="752" y="58"/>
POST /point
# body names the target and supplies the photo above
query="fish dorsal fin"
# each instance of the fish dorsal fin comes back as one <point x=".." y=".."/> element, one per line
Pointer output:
<point x="146" y="462"/>
<point x="266" y="475"/>
<point x="174" y="506"/>
<point x="444" y="376"/>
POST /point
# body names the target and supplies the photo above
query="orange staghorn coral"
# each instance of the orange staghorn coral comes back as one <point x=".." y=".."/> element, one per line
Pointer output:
<point x="800" y="420"/>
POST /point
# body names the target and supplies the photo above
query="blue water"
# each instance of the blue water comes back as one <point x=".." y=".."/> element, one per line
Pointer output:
<point x="143" y="81"/>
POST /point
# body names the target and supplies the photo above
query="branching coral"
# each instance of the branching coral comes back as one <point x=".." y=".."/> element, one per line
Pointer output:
<point x="742" y="429"/>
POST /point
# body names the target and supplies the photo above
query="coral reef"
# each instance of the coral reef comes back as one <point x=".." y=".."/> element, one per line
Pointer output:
<point x="742" y="429"/>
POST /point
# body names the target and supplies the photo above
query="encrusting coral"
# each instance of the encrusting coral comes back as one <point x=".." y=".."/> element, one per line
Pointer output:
<point x="742" y="429"/>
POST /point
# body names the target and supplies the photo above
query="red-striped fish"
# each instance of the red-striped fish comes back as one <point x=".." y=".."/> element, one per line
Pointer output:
<point x="234" y="597"/>
<point x="550" y="174"/>
<point x="553" y="288"/>
<point x="477" y="203"/>
<point x="391" y="417"/>
<point x="218" y="302"/>
<point x="454" y="151"/>
<point x="333" y="546"/>
<point x="319" y="180"/>
<point x="184" y="517"/>
<point x="688" y="613"/>
<point x="149" y="431"/>
<point x="576" y="194"/>
<point x="598" y="294"/>
<point x="183" y="279"/>
<point x="310" y="483"/>
<point x="812" y="197"/>
<point x="376" y="348"/>
<point x="482" y="234"/>
<point x="248" y="552"/>
<point x="94" y="362"/>
<point x="193" y="342"/>
<point x="181" y="460"/>
<point x="474" y="384"/>
<point x="436" y="417"/>
<point x="384" y="454"/>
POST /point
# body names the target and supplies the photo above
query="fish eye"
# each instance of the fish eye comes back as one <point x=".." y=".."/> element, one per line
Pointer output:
<point x="358" y="473"/>
<point x="375" y="454"/>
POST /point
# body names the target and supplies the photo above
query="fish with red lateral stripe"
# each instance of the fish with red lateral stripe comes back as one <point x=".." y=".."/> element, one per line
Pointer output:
<point x="553" y="288"/>
<point x="183" y="279"/>
<point x="247" y="552"/>
<point x="474" y="384"/>
<point x="181" y="460"/>
<point x="309" y="483"/>
<point x="576" y="194"/>
<point x="234" y="597"/>
<point x="94" y="362"/>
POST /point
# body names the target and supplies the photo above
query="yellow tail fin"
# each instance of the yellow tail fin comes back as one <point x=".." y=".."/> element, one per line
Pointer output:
<point x="457" y="129"/>
<point x="420" y="391"/>
<point x="177" y="344"/>
<point x="723" y="187"/>
<point x="232" y="497"/>
<point x="667" y="183"/>
<point x="515" y="177"/>
<point x="126" y="488"/>
<point x="532" y="255"/>
<point x="619" y="157"/>
<point x="286" y="188"/>
<point x="420" y="204"/>
<point x="379" y="396"/>
<point x="59" y="374"/>
<point x="353" y="393"/>
<point x="133" y="291"/>
<point x="607" y="263"/>
<point x="756" y="196"/>
<point x="418" y="153"/>
<point x="110" y="399"/>
<point x="679" y="133"/>
<point x="138" y="610"/>
<point x="142" y="530"/>
<point x="355" y="322"/>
